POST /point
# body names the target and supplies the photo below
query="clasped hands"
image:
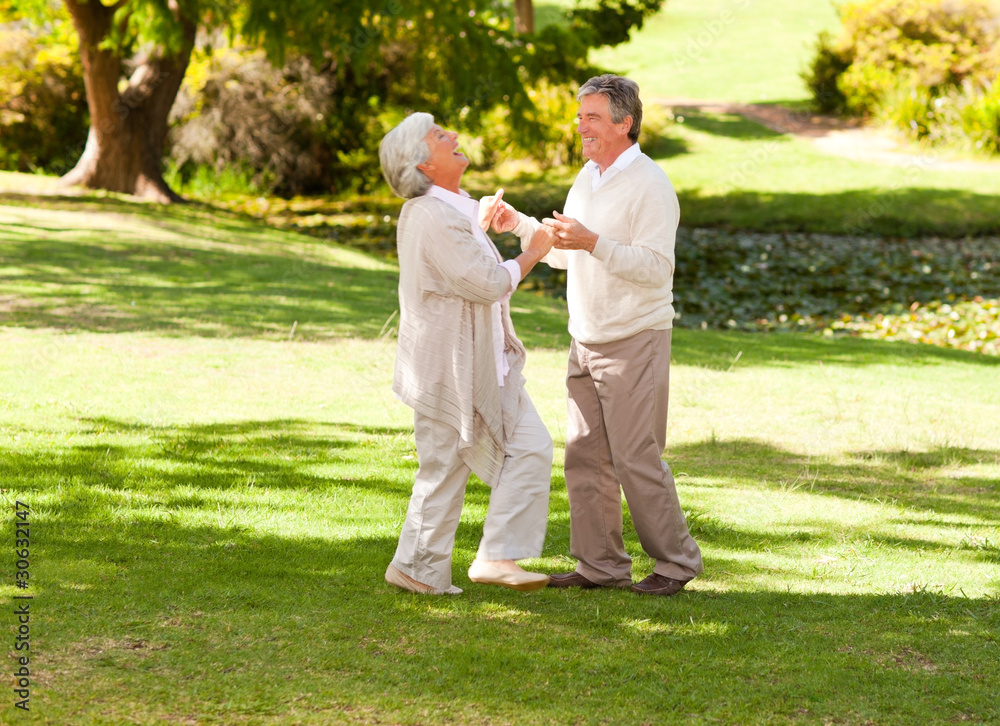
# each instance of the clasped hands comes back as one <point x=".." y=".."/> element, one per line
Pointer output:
<point x="569" y="233"/>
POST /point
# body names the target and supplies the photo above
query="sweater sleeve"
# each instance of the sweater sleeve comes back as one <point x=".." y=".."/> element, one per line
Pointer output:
<point x="465" y="266"/>
<point x="648" y="259"/>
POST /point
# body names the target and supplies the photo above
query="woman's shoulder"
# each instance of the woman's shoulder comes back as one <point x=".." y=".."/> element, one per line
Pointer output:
<point x="429" y="211"/>
<point x="428" y="205"/>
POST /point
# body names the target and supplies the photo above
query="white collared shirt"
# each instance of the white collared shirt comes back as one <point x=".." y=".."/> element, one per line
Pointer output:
<point x="469" y="207"/>
<point x="597" y="179"/>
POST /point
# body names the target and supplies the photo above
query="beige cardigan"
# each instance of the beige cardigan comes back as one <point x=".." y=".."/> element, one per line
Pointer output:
<point x="445" y="363"/>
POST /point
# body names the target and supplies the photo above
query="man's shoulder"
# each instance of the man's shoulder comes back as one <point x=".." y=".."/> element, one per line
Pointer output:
<point x="648" y="169"/>
<point x="583" y="175"/>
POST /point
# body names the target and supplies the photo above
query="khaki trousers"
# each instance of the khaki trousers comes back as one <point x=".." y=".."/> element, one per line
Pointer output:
<point x="518" y="510"/>
<point x="616" y="433"/>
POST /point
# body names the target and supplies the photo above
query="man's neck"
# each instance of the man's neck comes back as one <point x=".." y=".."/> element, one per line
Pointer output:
<point x="611" y="158"/>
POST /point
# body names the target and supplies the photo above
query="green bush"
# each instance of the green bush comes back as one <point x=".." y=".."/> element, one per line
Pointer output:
<point x="826" y="68"/>
<point x="303" y="129"/>
<point x="927" y="67"/>
<point x="236" y="111"/>
<point x="935" y="44"/>
<point x="981" y="120"/>
<point x="555" y="145"/>
<point x="43" y="104"/>
<point x="755" y="281"/>
<point x="910" y="108"/>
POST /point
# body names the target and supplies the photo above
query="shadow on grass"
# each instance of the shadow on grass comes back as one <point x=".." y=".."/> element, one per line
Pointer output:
<point x="730" y="126"/>
<point x="170" y="616"/>
<point x="953" y="213"/>
<point x="173" y="216"/>
<point x="174" y="579"/>
<point x="94" y="276"/>
<point x="273" y="454"/>
<point x="719" y="350"/>
<point x="663" y="146"/>
<point x="916" y="481"/>
<point x="116" y="281"/>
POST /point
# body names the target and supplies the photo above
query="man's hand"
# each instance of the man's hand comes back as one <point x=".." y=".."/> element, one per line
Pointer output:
<point x="570" y="234"/>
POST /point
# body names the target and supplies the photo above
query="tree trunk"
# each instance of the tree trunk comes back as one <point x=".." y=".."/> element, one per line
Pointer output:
<point x="128" y="128"/>
<point x="524" y="16"/>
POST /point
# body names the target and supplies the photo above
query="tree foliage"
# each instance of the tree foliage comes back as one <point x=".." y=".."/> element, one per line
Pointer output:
<point x="457" y="60"/>
<point x="43" y="103"/>
<point x="610" y="22"/>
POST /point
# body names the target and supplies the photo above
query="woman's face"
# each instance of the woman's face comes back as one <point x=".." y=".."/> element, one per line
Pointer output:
<point x="446" y="163"/>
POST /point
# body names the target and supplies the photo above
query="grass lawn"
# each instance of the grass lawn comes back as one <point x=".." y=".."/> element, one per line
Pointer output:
<point x="732" y="50"/>
<point x="197" y="411"/>
<point x="733" y="173"/>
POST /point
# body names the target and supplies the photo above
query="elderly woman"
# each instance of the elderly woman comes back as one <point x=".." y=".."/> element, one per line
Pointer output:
<point x="458" y="366"/>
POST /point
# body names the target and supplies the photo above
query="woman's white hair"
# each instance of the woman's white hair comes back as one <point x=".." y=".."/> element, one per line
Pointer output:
<point x="401" y="150"/>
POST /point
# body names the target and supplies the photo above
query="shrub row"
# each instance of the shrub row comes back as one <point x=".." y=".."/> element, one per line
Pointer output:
<point x="807" y="281"/>
<point x="301" y="128"/>
<point x="972" y="325"/>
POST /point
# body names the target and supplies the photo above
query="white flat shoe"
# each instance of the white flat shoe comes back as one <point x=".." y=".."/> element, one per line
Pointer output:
<point x="487" y="574"/>
<point x="401" y="580"/>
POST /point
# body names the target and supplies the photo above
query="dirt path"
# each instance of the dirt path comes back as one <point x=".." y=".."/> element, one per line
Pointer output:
<point x="836" y="136"/>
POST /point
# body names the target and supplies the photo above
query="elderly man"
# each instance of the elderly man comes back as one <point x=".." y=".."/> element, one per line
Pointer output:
<point x="616" y="241"/>
<point x="458" y="366"/>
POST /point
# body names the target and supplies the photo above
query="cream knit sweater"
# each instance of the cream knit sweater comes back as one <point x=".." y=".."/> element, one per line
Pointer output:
<point x="626" y="285"/>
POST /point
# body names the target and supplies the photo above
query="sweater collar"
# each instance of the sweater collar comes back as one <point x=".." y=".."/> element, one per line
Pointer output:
<point x="624" y="159"/>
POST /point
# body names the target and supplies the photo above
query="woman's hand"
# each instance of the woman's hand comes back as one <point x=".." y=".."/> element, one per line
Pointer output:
<point x="538" y="247"/>
<point x="506" y="219"/>
<point x="571" y="234"/>
<point x="542" y="241"/>
<point x="489" y="209"/>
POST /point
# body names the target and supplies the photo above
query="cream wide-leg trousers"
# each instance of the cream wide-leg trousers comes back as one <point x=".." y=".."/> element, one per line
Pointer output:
<point x="518" y="510"/>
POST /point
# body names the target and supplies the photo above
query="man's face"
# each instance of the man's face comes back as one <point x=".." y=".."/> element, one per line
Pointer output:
<point x="446" y="163"/>
<point x="603" y="140"/>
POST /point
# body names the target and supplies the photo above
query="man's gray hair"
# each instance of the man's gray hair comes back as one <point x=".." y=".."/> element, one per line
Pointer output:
<point x="623" y="99"/>
<point x="401" y="150"/>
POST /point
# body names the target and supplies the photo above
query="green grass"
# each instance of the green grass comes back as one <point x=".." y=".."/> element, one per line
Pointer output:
<point x="733" y="50"/>
<point x="215" y="498"/>
<point x="732" y="172"/>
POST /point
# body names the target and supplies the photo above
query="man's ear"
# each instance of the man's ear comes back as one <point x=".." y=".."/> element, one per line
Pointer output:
<point x="627" y="121"/>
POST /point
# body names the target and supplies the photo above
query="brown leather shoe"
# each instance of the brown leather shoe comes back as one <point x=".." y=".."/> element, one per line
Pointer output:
<point x="659" y="585"/>
<point x="571" y="579"/>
